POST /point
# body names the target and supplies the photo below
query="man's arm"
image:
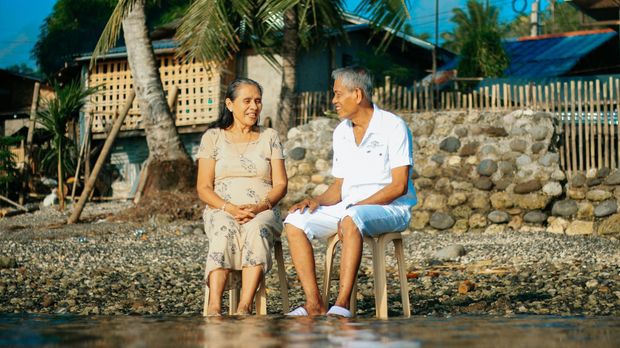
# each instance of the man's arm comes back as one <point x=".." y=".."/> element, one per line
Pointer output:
<point x="398" y="187"/>
<point x="330" y="197"/>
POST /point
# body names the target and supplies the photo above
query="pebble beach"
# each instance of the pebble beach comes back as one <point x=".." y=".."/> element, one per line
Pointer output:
<point x="108" y="267"/>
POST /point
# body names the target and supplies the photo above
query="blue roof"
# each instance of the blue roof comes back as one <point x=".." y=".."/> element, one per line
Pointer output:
<point x="547" y="56"/>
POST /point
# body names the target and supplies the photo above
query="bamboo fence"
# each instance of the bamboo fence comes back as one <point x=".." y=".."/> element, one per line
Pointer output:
<point x="586" y="112"/>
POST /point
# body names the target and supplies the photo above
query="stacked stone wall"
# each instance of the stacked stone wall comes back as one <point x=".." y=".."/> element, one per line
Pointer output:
<point x="477" y="172"/>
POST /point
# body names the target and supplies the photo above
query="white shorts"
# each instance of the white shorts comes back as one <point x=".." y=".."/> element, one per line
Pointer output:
<point x="371" y="220"/>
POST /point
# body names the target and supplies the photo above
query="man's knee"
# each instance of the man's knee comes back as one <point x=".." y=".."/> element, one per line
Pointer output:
<point x="294" y="232"/>
<point x="349" y="228"/>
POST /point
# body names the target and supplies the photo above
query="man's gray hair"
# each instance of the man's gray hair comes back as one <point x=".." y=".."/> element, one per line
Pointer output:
<point x="355" y="77"/>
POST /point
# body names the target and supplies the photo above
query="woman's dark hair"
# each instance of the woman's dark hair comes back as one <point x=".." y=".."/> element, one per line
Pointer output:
<point x="225" y="118"/>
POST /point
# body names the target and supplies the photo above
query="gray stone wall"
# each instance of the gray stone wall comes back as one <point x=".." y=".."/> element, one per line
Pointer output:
<point x="477" y="171"/>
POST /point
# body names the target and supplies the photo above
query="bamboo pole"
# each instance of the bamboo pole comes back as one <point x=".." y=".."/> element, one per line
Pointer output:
<point x="567" y="134"/>
<point x="82" y="147"/>
<point x="605" y="126"/>
<point x="547" y="98"/>
<point x="618" y="119"/>
<point x="573" y="127"/>
<point x="612" y="152"/>
<point x="29" y="137"/>
<point x="586" y="121"/>
<point x="13" y="203"/>
<point x="599" y="132"/>
<point x="579" y="126"/>
<point x="592" y="125"/>
<point x="90" y="184"/>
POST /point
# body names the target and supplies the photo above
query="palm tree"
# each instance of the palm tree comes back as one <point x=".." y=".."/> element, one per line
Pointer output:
<point x="478" y="38"/>
<point x="54" y="117"/>
<point x="169" y="165"/>
<point x="215" y="31"/>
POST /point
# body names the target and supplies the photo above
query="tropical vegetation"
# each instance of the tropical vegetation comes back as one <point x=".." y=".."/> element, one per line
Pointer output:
<point x="54" y="118"/>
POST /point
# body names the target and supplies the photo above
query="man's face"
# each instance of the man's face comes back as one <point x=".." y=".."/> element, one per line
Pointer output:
<point x="345" y="100"/>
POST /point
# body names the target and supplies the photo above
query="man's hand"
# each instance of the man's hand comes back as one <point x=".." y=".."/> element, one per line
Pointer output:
<point x="309" y="203"/>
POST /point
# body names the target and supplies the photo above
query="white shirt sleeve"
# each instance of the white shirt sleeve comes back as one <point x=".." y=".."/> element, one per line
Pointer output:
<point x="400" y="146"/>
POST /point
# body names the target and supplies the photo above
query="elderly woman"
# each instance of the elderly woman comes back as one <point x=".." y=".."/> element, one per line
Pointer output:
<point x="241" y="178"/>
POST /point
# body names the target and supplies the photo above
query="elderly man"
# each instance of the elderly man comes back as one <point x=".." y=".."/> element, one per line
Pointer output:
<point x="372" y="194"/>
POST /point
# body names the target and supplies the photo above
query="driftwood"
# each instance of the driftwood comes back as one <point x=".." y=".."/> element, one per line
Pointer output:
<point x="13" y="203"/>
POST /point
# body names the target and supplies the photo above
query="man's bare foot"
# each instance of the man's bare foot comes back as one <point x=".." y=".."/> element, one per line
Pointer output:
<point x="315" y="309"/>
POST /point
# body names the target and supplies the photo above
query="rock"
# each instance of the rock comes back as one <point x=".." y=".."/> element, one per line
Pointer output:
<point x="187" y="230"/>
<point x="515" y="222"/>
<point x="613" y="179"/>
<point x="539" y="132"/>
<point x="579" y="227"/>
<point x="502" y="184"/>
<point x="419" y="219"/>
<point x="7" y="262"/>
<point x="441" y="221"/>
<point x="578" y="180"/>
<point x="460" y="226"/>
<point x="450" y="144"/>
<point x="564" y="208"/>
<point x="461" y="132"/>
<point x="537" y="147"/>
<point x="292" y="133"/>
<point x="498" y="217"/>
<point x="592" y="283"/>
<point x="483" y="183"/>
<point x="550" y="159"/>
<point x="479" y="200"/>
<point x="423" y="183"/>
<point x="444" y="186"/>
<point x="430" y="171"/>
<point x="487" y="167"/>
<point x="586" y="211"/>
<point x="322" y="165"/>
<point x="518" y="145"/>
<point x="506" y="167"/>
<point x="557" y="225"/>
<point x="594" y="181"/>
<point x="434" y="202"/>
<point x="576" y="193"/>
<point x="494" y="229"/>
<point x="528" y="186"/>
<point x="610" y="225"/>
<point x="606" y="208"/>
<point x="469" y="149"/>
<point x="532" y="201"/>
<point x="535" y="217"/>
<point x="438" y="158"/>
<point x="552" y="189"/>
<point x="198" y="231"/>
<point x="501" y="200"/>
<point x="477" y="221"/>
<point x="450" y="252"/>
<point x="466" y="286"/>
<point x="523" y="160"/>
<point x="495" y="131"/>
<point x="297" y="153"/>
<point x="598" y="195"/>
<point x="457" y="198"/>
<point x="488" y="149"/>
<point x="461" y="212"/>
<point x="305" y="168"/>
<point x="558" y="175"/>
<point x="317" y="179"/>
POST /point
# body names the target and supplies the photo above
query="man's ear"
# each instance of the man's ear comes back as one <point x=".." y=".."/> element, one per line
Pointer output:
<point x="359" y="95"/>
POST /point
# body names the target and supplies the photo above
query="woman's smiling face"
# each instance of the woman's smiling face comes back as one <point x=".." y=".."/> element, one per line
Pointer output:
<point x="247" y="105"/>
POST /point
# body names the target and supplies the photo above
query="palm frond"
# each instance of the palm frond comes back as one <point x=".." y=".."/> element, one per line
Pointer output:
<point x="387" y="16"/>
<point x="112" y="30"/>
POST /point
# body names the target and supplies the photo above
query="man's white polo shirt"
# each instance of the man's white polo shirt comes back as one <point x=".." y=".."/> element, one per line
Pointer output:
<point x="367" y="168"/>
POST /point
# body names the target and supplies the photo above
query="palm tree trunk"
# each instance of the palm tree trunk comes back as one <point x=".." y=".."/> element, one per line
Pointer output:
<point x="171" y="166"/>
<point x="290" y="43"/>
<point x="61" y="177"/>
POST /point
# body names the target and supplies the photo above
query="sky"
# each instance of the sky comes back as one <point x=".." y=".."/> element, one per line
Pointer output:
<point x="20" y="22"/>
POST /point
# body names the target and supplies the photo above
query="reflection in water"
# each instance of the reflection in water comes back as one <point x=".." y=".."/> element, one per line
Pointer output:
<point x="279" y="331"/>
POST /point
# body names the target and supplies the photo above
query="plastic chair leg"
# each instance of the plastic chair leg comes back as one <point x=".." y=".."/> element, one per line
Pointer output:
<point x="378" y="261"/>
<point x="282" y="276"/>
<point x="261" y="299"/>
<point x="329" y="260"/>
<point x="402" y="275"/>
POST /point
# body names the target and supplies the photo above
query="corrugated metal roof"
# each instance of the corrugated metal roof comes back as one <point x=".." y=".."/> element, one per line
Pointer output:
<point x="547" y="55"/>
<point x="551" y="55"/>
<point x="117" y="52"/>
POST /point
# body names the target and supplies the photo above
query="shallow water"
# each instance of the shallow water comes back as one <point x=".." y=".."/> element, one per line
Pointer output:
<point x="279" y="331"/>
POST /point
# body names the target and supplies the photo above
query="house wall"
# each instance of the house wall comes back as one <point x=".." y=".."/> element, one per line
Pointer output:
<point x="257" y="68"/>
